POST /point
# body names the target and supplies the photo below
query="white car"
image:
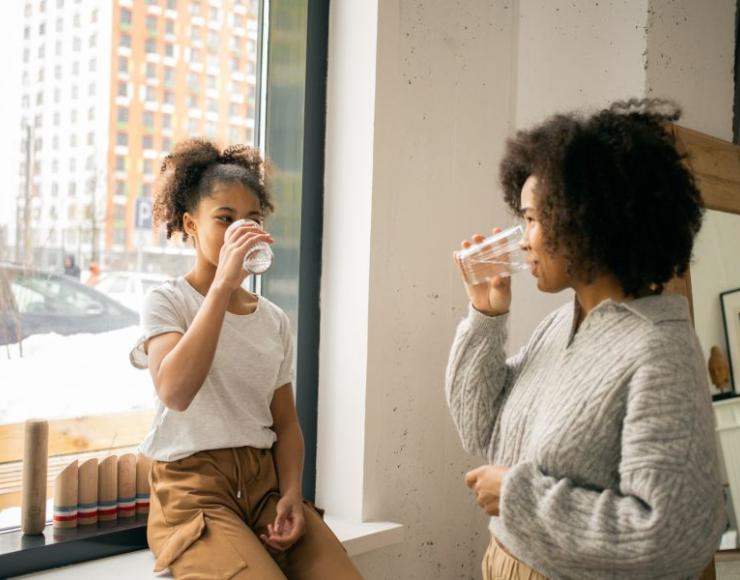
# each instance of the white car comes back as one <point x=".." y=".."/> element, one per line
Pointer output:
<point x="129" y="288"/>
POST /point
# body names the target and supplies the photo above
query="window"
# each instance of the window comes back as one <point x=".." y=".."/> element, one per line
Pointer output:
<point x="94" y="193"/>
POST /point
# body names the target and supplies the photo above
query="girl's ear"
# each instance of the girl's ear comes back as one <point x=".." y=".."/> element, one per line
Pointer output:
<point x="189" y="225"/>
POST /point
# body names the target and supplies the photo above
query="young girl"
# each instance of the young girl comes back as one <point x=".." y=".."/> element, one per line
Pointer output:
<point x="227" y="447"/>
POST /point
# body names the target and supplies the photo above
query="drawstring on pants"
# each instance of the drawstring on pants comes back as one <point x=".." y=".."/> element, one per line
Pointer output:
<point x="239" y="478"/>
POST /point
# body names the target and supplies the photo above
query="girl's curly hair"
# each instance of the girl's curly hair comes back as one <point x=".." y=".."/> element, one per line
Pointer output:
<point x="613" y="192"/>
<point x="193" y="168"/>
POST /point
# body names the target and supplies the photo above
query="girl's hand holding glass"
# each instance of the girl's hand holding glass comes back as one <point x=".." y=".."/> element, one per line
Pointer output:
<point x="240" y="240"/>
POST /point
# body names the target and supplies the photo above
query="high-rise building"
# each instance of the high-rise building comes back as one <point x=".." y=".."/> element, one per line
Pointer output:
<point x="180" y="68"/>
<point x="108" y="88"/>
<point x="64" y="122"/>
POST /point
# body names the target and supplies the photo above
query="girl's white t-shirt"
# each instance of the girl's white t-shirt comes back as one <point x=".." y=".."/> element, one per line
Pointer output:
<point x="253" y="358"/>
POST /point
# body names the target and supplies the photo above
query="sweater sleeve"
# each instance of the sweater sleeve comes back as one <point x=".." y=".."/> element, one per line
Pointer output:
<point x="479" y="376"/>
<point x="666" y="517"/>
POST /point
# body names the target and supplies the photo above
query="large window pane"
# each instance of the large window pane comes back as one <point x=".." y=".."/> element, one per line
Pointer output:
<point x="77" y="247"/>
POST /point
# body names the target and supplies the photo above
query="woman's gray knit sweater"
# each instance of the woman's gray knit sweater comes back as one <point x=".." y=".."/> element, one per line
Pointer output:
<point x="610" y="436"/>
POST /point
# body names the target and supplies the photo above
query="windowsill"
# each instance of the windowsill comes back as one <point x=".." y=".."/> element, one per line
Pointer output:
<point x="357" y="538"/>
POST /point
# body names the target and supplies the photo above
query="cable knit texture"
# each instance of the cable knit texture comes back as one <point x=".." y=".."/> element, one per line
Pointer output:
<point x="610" y="436"/>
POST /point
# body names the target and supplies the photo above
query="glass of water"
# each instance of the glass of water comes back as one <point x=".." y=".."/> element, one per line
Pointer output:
<point x="259" y="258"/>
<point x="496" y="254"/>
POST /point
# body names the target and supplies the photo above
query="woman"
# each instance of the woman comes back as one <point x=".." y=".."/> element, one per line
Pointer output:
<point x="599" y="432"/>
<point x="227" y="447"/>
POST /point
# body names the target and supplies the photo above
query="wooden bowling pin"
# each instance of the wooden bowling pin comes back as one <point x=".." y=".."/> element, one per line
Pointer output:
<point x="127" y="486"/>
<point x="87" y="493"/>
<point x="143" y="465"/>
<point x="65" y="497"/>
<point x="108" y="489"/>
<point x="35" y="468"/>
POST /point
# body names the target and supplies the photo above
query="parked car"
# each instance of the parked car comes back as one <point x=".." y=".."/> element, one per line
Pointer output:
<point x="129" y="288"/>
<point x="34" y="301"/>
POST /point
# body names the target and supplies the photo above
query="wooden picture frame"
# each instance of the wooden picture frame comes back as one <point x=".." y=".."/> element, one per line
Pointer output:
<point x="730" y="301"/>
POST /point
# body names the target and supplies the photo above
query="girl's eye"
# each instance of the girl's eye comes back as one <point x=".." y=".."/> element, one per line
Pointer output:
<point x="226" y="219"/>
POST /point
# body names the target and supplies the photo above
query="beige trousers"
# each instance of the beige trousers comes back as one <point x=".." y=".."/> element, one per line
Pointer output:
<point x="500" y="565"/>
<point x="208" y="510"/>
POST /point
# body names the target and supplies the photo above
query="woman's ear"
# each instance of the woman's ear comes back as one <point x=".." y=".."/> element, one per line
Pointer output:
<point x="189" y="225"/>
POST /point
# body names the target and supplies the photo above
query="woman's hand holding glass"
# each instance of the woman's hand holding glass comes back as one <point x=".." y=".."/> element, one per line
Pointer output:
<point x="493" y="297"/>
<point x="230" y="271"/>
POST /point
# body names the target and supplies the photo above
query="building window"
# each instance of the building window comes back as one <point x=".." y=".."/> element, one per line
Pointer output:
<point x="120" y="163"/>
<point x="169" y="26"/>
<point x="122" y="64"/>
<point x="125" y="16"/>
<point x="151" y="46"/>
<point x="121" y="139"/>
<point x="125" y="40"/>
<point x="151" y="70"/>
<point x="166" y="121"/>
<point x="122" y="116"/>
<point x="148" y="119"/>
<point x="122" y="89"/>
<point x="151" y="23"/>
<point x="147" y="143"/>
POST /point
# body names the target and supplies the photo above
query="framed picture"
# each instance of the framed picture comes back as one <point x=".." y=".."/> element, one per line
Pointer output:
<point x="731" y="319"/>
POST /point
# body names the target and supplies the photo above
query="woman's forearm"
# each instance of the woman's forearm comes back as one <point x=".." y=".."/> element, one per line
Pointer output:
<point x="289" y="458"/>
<point x="184" y="369"/>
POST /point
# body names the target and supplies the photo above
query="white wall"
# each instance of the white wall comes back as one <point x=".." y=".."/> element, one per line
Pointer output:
<point x="449" y="82"/>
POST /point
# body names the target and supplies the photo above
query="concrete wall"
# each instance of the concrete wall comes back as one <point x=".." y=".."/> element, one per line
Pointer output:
<point x="448" y="83"/>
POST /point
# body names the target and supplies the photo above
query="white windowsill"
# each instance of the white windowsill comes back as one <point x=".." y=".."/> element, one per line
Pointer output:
<point x="357" y="539"/>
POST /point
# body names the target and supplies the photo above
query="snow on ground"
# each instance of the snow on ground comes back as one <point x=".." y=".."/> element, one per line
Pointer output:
<point x="72" y="376"/>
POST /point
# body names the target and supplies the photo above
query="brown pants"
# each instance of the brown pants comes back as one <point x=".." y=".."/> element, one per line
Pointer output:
<point x="200" y="528"/>
<point x="500" y="565"/>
